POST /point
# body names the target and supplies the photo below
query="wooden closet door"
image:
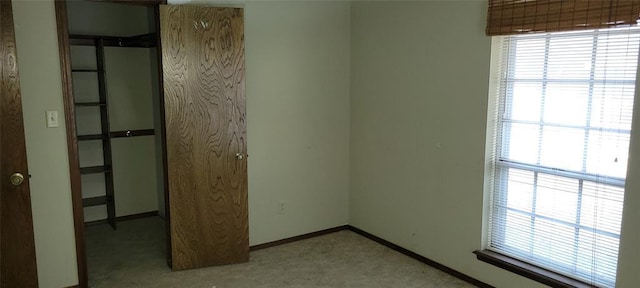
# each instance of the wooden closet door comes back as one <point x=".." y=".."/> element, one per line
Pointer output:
<point x="204" y="99"/>
<point x="17" y="248"/>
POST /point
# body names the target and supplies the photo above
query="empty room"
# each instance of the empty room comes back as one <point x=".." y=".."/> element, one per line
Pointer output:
<point x="207" y="143"/>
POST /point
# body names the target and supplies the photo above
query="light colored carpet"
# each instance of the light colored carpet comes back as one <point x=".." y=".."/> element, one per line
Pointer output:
<point x="133" y="256"/>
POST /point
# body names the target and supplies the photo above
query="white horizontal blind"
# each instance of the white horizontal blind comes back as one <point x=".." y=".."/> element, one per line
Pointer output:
<point x="562" y="142"/>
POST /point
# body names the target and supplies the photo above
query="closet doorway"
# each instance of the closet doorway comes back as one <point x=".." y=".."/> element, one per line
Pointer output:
<point x="156" y="125"/>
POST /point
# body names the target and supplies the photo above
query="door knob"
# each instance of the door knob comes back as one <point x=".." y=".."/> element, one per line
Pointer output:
<point x="239" y="156"/>
<point x="17" y="179"/>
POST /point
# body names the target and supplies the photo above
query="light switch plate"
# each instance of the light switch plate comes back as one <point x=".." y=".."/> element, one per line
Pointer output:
<point x="52" y="119"/>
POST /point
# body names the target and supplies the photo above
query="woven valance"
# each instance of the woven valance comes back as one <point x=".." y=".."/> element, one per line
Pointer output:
<point x="506" y="17"/>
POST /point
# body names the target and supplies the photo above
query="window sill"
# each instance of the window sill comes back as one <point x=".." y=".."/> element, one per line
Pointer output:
<point x="530" y="271"/>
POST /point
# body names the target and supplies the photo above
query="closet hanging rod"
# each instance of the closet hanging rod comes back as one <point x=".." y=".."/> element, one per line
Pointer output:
<point x="91" y="137"/>
<point x="132" y="133"/>
<point x="95" y="169"/>
<point x="117" y="134"/>
<point x="144" y="40"/>
<point x="85" y="70"/>
<point x="89" y="104"/>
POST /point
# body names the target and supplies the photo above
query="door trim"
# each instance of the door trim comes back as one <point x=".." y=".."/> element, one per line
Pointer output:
<point x="72" y="141"/>
<point x="163" y="135"/>
<point x="62" y="22"/>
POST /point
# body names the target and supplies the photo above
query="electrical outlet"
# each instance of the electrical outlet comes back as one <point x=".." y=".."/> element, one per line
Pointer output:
<point x="281" y="207"/>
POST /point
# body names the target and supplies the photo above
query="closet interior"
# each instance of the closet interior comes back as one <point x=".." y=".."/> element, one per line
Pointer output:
<point x="114" y="61"/>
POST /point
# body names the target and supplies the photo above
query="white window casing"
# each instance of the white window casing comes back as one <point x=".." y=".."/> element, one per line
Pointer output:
<point x="558" y="149"/>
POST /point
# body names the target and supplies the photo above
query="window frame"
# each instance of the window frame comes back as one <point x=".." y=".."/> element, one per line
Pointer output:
<point x="497" y="164"/>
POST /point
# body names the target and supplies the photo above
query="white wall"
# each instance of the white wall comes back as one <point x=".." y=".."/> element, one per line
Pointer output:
<point x="129" y="79"/>
<point x="418" y="122"/>
<point x="297" y="85"/>
<point x="41" y="87"/>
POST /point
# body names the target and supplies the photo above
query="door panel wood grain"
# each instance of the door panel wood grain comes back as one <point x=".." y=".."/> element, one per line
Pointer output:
<point x="204" y="98"/>
<point x="17" y="248"/>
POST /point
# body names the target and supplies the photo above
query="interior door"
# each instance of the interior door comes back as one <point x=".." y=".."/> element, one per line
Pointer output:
<point x="204" y="105"/>
<point x="17" y="249"/>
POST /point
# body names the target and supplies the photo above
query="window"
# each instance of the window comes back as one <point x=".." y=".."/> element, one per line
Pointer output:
<point x="563" y="123"/>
